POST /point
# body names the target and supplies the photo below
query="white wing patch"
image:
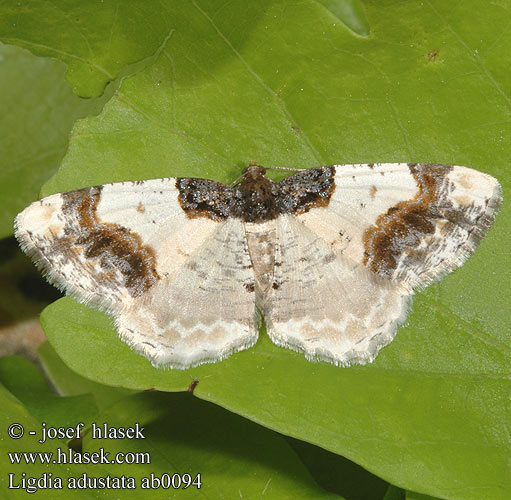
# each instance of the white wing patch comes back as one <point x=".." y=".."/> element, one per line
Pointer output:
<point x="328" y="306"/>
<point x="151" y="210"/>
<point x="361" y="195"/>
<point x="330" y="257"/>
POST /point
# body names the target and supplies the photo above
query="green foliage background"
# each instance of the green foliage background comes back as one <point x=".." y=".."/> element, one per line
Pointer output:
<point x="200" y="88"/>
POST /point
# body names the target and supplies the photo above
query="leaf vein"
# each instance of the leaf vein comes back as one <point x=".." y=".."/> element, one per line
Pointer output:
<point x="261" y="82"/>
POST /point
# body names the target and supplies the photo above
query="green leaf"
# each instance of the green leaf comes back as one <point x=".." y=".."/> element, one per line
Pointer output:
<point x="349" y="12"/>
<point x="394" y="493"/>
<point x="338" y="474"/>
<point x="69" y="383"/>
<point x="102" y="358"/>
<point x="236" y="458"/>
<point x="37" y="114"/>
<point x="412" y="495"/>
<point x="284" y="86"/>
<point x="26" y="382"/>
<point x="14" y="412"/>
<point x="95" y="39"/>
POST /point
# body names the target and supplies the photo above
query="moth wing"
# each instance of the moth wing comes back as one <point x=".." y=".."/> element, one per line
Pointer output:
<point x="346" y="266"/>
<point x="326" y="306"/>
<point x="410" y="223"/>
<point x="106" y="245"/>
<point x="204" y="312"/>
<point x="130" y="249"/>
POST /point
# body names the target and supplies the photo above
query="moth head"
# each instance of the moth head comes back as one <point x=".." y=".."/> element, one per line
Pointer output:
<point x="253" y="171"/>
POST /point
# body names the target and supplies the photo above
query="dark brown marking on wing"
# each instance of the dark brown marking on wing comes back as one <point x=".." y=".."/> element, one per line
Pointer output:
<point x="114" y="247"/>
<point x="256" y="198"/>
<point x="404" y="226"/>
<point x="305" y="190"/>
<point x="205" y="198"/>
<point x="398" y="234"/>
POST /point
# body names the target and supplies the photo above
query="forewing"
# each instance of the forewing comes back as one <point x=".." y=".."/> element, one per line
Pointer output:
<point x="109" y="244"/>
<point x="410" y="223"/>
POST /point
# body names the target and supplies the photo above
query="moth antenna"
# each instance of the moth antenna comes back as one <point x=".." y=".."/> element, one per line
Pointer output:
<point x="232" y="184"/>
<point x="287" y="168"/>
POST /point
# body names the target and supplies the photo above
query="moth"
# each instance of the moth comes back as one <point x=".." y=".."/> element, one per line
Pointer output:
<point x="329" y="257"/>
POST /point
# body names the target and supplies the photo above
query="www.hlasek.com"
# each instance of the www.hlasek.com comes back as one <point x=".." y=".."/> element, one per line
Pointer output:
<point x="48" y="480"/>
